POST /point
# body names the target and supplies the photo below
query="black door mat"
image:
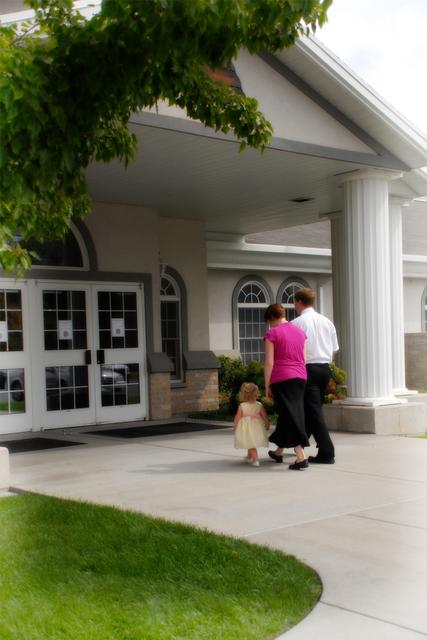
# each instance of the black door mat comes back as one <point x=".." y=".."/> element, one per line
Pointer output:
<point x="159" y="430"/>
<point x="36" y="444"/>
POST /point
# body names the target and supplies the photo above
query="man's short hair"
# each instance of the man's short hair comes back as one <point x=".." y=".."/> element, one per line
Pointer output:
<point x="306" y="296"/>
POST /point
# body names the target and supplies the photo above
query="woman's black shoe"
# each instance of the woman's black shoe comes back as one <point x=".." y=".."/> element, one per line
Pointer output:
<point x="273" y="456"/>
<point x="296" y="466"/>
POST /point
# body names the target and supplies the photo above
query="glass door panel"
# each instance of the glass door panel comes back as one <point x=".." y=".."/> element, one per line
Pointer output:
<point x="15" y="400"/>
<point x="119" y="354"/>
<point x="65" y="371"/>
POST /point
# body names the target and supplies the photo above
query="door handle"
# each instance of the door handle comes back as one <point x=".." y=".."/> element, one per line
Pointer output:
<point x="100" y="356"/>
<point x="88" y="356"/>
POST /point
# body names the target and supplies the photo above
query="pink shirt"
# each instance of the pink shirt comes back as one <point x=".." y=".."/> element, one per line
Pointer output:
<point x="288" y="341"/>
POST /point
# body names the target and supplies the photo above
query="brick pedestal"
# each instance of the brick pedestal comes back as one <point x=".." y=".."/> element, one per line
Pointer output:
<point x="416" y="360"/>
<point x="200" y="392"/>
<point x="160" y="396"/>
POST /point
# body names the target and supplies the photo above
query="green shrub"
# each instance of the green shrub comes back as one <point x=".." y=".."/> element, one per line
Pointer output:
<point x="336" y="389"/>
<point x="233" y="372"/>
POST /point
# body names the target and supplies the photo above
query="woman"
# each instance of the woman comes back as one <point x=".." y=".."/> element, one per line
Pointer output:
<point x="285" y="376"/>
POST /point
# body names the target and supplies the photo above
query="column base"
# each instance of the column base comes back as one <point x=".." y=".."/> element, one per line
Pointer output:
<point x="404" y="392"/>
<point x="392" y="419"/>
<point x="371" y="402"/>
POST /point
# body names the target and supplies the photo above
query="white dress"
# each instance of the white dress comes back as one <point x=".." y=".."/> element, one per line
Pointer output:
<point x="250" y="431"/>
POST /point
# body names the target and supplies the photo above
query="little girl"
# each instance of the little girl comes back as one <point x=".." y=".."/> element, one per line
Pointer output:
<point x="250" y="423"/>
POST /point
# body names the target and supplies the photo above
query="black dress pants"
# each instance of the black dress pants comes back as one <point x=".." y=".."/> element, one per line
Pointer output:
<point x="315" y="390"/>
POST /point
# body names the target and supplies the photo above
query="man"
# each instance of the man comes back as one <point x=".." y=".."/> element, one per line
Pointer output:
<point x="321" y="345"/>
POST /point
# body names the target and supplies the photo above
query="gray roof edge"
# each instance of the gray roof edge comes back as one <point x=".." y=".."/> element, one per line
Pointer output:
<point x="200" y="360"/>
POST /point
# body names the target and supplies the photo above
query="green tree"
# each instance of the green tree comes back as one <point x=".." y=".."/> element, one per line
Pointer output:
<point x="68" y="86"/>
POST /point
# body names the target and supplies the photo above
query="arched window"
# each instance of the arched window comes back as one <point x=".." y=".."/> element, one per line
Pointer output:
<point x="68" y="252"/>
<point x="170" y="313"/>
<point x="286" y="294"/>
<point x="252" y="300"/>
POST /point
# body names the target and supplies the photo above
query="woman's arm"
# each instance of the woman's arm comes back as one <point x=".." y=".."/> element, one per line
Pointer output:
<point x="268" y="366"/>
<point x="264" y="416"/>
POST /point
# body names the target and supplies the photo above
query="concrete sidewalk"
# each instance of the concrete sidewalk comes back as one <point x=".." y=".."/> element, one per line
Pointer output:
<point x="361" y="523"/>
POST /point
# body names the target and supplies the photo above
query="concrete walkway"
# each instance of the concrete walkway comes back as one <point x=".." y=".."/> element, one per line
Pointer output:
<point x="361" y="523"/>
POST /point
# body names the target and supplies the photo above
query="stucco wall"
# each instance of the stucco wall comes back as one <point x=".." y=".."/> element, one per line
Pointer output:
<point x="182" y="246"/>
<point x="125" y="237"/>
<point x="126" y="240"/>
<point x="412" y="300"/>
<point x="293" y="115"/>
<point x="221" y="286"/>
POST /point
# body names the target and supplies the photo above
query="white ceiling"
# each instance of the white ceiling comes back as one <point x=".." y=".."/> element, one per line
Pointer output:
<point x="191" y="176"/>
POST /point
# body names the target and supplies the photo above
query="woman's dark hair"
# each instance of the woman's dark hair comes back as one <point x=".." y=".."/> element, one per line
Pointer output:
<point x="274" y="312"/>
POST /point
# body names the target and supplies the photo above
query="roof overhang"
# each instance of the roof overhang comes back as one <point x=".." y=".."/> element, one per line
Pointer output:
<point x="184" y="169"/>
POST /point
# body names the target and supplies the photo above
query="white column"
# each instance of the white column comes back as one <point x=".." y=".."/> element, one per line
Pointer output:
<point x="396" y="298"/>
<point x="339" y="280"/>
<point x="365" y="265"/>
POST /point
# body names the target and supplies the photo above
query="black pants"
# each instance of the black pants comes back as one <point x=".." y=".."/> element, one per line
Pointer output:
<point x="315" y="390"/>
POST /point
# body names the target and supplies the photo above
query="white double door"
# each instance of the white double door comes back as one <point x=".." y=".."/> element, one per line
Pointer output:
<point x="88" y="355"/>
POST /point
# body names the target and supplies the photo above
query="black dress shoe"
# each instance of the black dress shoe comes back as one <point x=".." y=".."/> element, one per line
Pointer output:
<point x="296" y="466"/>
<point x="320" y="460"/>
<point x="273" y="456"/>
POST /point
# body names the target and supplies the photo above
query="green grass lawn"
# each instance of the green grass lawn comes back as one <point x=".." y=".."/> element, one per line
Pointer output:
<point x="75" y="571"/>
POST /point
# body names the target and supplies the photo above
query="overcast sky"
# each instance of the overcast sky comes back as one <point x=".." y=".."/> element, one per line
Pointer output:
<point x="385" y="42"/>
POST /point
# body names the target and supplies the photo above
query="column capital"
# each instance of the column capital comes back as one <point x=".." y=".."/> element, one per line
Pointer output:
<point x="369" y="174"/>
<point x="399" y="201"/>
<point x="331" y="215"/>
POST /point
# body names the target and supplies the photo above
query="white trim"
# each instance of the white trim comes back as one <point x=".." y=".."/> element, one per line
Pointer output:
<point x="87" y="8"/>
<point x="263" y="257"/>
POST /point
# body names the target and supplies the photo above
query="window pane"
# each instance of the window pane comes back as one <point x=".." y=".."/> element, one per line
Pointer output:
<point x="62" y="252"/>
<point x="129" y="301"/>
<point x="116" y="301"/>
<point x="251" y="331"/>
<point x="103" y="300"/>
<point x="171" y="338"/>
<point x="16" y="342"/>
<point x="66" y="388"/>
<point x="120" y="384"/>
<point x="13" y="299"/>
<point x="14" y="320"/>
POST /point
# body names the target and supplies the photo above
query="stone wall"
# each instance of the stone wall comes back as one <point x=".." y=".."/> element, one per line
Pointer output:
<point x="416" y="360"/>
<point x="200" y="392"/>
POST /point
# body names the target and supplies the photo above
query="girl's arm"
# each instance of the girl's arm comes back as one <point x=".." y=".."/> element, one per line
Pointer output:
<point x="264" y="416"/>
<point x="268" y="366"/>
<point x="237" y="417"/>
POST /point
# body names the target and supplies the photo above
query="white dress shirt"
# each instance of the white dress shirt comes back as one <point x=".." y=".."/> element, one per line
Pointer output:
<point x="321" y="336"/>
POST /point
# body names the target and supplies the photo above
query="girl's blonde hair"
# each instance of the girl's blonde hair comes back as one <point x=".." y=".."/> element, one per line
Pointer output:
<point x="248" y="392"/>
